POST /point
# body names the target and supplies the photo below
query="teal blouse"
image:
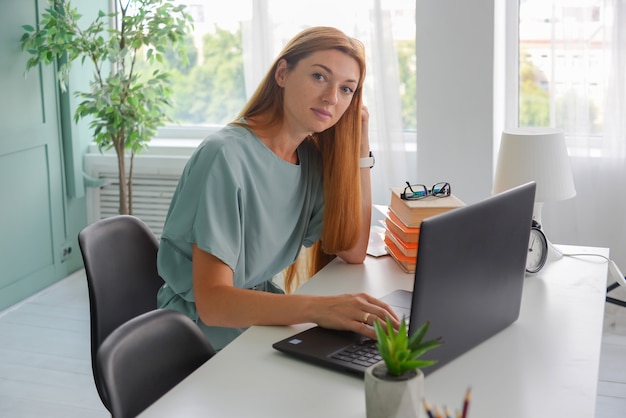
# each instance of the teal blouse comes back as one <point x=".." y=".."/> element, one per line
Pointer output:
<point x="239" y="201"/>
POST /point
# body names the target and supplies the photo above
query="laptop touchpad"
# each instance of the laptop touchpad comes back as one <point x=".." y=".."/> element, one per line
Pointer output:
<point x="400" y="302"/>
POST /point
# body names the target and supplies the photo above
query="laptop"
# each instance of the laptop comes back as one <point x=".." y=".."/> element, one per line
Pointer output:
<point x="471" y="263"/>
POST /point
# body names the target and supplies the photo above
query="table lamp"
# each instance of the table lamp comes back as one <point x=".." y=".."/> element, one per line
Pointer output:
<point x="535" y="154"/>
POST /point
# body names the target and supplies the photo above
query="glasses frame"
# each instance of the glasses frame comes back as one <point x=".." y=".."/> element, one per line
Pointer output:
<point x="420" y="191"/>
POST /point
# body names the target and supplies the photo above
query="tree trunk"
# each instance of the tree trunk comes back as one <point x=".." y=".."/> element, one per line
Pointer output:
<point x="130" y="183"/>
<point x="121" y="171"/>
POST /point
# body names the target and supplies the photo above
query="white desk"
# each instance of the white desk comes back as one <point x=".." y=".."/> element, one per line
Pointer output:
<point x="544" y="365"/>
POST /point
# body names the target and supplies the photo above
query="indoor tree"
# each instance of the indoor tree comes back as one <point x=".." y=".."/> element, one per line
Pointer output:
<point x="124" y="107"/>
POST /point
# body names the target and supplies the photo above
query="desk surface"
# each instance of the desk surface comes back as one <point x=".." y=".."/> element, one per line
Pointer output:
<point x="545" y="364"/>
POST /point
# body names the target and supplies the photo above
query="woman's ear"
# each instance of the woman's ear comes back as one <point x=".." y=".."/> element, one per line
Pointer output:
<point x="281" y="72"/>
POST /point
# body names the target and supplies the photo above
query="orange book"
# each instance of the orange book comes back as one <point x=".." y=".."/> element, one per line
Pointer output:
<point x="405" y="233"/>
<point x="406" y="263"/>
<point x="409" y="249"/>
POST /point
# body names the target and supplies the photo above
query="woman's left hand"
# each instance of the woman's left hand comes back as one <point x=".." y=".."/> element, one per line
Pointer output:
<point x="365" y="143"/>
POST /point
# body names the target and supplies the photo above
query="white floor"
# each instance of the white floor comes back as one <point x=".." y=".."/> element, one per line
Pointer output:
<point x="611" y="402"/>
<point x="45" y="365"/>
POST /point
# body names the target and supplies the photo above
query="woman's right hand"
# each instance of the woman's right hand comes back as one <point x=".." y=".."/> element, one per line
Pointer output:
<point x="353" y="312"/>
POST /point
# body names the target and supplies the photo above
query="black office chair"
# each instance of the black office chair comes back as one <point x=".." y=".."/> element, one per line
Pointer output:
<point x="147" y="356"/>
<point x="119" y="254"/>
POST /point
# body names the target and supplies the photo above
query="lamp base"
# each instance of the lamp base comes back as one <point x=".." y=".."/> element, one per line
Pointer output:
<point x="537" y="213"/>
<point x="553" y="252"/>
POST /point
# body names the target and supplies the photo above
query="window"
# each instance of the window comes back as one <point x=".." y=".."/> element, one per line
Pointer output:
<point x="562" y="64"/>
<point x="234" y="45"/>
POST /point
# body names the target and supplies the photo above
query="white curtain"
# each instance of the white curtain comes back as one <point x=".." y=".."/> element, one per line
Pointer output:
<point x="274" y="22"/>
<point x="596" y="136"/>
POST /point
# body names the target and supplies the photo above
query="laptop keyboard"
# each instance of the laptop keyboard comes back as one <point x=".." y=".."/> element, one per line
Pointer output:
<point x="364" y="354"/>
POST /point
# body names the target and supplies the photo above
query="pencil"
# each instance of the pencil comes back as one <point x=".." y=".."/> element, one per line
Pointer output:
<point x="438" y="412"/>
<point x="466" y="402"/>
<point x="429" y="412"/>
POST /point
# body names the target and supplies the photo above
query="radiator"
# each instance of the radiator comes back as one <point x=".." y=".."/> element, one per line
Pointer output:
<point x="154" y="180"/>
<point x="151" y="198"/>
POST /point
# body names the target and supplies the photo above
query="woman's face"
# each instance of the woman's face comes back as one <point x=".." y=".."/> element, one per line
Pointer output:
<point x="318" y="90"/>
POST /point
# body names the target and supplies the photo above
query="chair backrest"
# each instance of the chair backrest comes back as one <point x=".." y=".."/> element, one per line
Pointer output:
<point x="119" y="254"/>
<point x="147" y="356"/>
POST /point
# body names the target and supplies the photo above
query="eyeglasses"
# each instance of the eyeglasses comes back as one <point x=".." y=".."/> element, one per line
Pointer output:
<point x="419" y="191"/>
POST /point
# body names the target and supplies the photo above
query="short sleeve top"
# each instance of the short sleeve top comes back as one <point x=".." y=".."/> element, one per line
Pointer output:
<point x="239" y="201"/>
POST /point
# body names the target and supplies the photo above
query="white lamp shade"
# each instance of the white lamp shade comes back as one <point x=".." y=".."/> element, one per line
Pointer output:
<point x="535" y="154"/>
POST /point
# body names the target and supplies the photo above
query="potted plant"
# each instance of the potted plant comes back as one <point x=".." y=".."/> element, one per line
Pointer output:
<point x="394" y="387"/>
<point x="124" y="107"/>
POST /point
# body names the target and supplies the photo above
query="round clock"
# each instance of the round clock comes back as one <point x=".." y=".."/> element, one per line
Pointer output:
<point x="537" y="249"/>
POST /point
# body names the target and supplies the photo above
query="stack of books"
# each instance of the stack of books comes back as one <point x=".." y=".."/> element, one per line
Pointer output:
<point x="403" y="220"/>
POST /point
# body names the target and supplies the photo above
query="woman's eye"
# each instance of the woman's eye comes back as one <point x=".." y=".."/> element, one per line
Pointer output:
<point x="347" y="90"/>
<point x="318" y="76"/>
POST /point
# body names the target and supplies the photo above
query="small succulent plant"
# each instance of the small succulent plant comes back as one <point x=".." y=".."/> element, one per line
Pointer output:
<point x="401" y="352"/>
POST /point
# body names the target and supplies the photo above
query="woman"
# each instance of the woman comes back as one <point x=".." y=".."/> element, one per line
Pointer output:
<point x="285" y="175"/>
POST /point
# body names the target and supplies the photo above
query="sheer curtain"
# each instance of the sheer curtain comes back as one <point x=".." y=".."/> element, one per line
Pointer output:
<point x="273" y="23"/>
<point x="596" y="135"/>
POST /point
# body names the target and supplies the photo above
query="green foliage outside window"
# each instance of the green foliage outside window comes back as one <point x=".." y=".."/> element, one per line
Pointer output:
<point x="534" y="106"/>
<point x="406" y="67"/>
<point x="211" y="88"/>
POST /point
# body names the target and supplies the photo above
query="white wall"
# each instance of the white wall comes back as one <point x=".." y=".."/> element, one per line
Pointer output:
<point x="460" y="92"/>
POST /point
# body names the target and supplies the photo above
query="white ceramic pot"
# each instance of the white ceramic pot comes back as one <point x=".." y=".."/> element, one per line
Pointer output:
<point x="393" y="397"/>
